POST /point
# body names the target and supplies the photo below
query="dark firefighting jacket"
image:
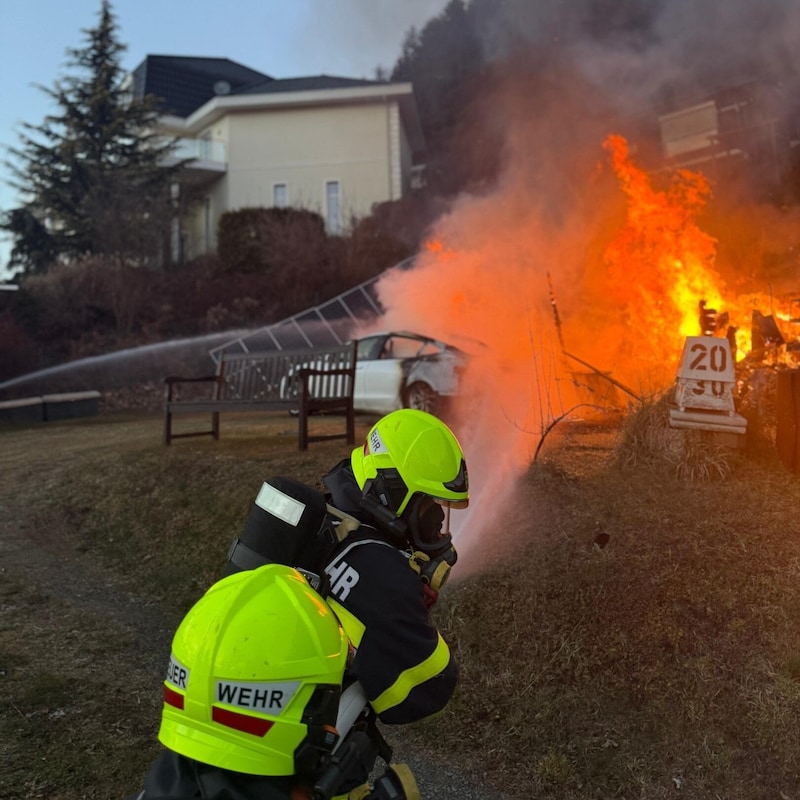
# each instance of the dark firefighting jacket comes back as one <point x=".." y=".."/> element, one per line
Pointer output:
<point x="401" y="659"/>
<point x="175" y="777"/>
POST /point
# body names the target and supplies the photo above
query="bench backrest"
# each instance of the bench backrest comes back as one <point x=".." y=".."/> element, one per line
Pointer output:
<point x="276" y="375"/>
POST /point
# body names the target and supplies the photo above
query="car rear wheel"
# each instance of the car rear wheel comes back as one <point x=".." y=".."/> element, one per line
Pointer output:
<point x="421" y="397"/>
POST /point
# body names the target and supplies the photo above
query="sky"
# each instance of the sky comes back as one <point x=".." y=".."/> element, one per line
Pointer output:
<point x="281" y="38"/>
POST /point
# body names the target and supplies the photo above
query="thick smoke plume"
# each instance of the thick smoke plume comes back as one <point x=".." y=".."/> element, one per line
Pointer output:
<point x="556" y="219"/>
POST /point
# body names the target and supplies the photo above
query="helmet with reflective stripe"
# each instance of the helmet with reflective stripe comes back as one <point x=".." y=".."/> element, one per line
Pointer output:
<point x="255" y="676"/>
<point x="424" y="452"/>
<point x="410" y="455"/>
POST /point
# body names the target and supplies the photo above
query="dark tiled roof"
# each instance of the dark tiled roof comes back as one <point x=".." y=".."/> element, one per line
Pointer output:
<point x="310" y="84"/>
<point x="184" y="83"/>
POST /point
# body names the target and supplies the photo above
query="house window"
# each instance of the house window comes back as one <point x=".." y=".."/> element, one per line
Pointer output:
<point x="280" y="195"/>
<point x="333" y="216"/>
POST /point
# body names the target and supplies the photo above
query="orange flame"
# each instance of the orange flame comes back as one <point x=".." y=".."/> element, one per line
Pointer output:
<point x="661" y="265"/>
<point x="624" y="307"/>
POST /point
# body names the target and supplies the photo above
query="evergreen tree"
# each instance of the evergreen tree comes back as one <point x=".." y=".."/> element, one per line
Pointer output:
<point x="91" y="175"/>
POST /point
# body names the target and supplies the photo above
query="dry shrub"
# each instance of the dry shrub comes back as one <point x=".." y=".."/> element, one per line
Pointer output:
<point x="647" y="440"/>
<point x="757" y="398"/>
<point x="17" y="348"/>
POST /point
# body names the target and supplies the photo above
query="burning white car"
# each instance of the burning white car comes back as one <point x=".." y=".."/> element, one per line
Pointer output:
<point x="399" y="369"/>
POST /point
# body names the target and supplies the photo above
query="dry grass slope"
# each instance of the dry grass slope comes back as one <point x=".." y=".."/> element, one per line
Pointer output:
<point x="667" y="661"/>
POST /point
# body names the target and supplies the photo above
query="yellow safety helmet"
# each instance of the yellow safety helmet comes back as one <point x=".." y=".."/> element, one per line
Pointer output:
<point x="422" y="450"/>
<point x="409" y="467"/>
<point x="255" y="674"/>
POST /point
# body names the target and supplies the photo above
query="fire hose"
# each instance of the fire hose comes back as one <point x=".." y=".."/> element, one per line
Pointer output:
<point x="356" y="748"/>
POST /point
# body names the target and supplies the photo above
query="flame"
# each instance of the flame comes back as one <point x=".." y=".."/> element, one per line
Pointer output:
<point x="628" y="288"/>
<point x="662" y="246"/>
<point x="661" y="265"/>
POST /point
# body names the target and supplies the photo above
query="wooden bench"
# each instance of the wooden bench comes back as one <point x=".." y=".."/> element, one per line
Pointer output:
<point x="304" y="382"/>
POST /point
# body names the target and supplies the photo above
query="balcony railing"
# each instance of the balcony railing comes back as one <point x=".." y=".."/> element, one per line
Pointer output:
<point x="208" y="150"/>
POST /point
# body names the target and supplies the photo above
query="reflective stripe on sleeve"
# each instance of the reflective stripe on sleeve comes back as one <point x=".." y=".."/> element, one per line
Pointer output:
<point x="413" y="677"/>
<point x="353" y="626"/>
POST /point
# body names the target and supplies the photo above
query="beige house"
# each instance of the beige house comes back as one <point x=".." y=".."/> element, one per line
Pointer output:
<point x="336" y="146"/>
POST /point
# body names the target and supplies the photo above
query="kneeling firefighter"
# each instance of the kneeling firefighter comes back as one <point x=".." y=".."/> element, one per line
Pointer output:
<point x="252" y="695"/>
<point x="379" y="547"/>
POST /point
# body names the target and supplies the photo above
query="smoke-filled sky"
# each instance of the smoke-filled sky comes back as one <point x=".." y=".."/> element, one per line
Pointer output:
<point x="635" y="48"/>
<point x="625" y="255"/>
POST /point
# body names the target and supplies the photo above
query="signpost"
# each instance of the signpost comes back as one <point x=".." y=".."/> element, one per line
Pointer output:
<point x="704" y="387"/>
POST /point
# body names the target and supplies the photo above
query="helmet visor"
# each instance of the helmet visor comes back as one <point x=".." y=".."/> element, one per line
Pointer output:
<point x="451" y="503"/>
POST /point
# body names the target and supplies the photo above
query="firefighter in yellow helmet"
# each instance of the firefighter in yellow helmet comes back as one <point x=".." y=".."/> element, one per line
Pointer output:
<point x="385" y="575"/>
<point x="251" y="693"/>
<point x="393" y="497"/>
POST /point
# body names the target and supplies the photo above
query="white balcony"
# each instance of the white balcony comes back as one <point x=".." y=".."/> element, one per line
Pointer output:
<point x="211" y="150"/>
<point x="204" y="159"/>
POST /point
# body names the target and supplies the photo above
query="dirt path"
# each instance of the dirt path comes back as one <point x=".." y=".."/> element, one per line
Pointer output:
<point x="42" y="559"/>
<point x="42" y="564"/>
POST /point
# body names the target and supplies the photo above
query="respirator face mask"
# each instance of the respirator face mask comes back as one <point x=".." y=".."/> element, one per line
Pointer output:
<point x="423" y="526"/>
<point x="428" y="523"/>
<point x="433" y="553"/>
